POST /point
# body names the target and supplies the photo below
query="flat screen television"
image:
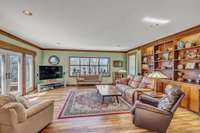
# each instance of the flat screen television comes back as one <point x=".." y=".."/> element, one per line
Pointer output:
<point x="50" y="72"/>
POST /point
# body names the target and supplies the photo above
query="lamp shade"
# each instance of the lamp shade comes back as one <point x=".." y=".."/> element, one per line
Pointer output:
<point x="157" y="75"/>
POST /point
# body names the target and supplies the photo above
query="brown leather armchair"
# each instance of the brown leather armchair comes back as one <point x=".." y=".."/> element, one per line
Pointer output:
<point x="154" y="114"/>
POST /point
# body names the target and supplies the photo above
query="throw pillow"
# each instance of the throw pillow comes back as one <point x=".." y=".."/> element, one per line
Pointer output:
<point x="130" y="79"/>
<point x="136" y="81"/>
<point x="24" y="101"/>
<point x="146" y="83"/>
<point x="19" y="108"/>
<point x="173" y="90"/>
<point x="166" y="102"/>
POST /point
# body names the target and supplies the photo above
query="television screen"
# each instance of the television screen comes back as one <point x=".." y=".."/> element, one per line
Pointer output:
<point x="50" y="72"/>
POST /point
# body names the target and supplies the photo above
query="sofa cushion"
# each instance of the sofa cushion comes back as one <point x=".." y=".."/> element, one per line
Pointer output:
<point x="172" y="95"/>
<point x="147" y="83"/>
<point x="129" y="95"/>
<point x="24" y="101"/>
<point x="166" y="103"/>
<point x="38" y="107"/>
<point x="130" y="78"/>
<point x="122" y="87"/>
<point x="136" y="81"/>
<point x="173" y="90"/>
<point x="19" y="108"/>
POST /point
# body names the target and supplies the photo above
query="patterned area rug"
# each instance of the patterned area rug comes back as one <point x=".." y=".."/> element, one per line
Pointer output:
<point x="84" y="103"/>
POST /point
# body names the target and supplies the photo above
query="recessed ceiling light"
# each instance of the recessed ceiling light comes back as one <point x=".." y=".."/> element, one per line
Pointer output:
<point x="156" y="20"/>
<point x="27" y="12"/>
<point x="58" y="43"/>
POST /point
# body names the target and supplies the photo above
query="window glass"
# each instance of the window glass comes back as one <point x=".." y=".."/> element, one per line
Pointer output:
<point x="89" y="66"/>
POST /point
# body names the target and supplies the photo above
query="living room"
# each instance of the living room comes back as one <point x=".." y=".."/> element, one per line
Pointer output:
<point x="99" y="66"/>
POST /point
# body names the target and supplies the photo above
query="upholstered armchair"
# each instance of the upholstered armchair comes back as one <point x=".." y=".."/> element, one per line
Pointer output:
<point x="17" y="118"/>
<point x="154" y="114"/>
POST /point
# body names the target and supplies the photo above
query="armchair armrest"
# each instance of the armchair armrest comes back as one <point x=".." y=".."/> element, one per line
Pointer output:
<point x="149" y="100"/>
<point x="38" y="107"/>
<point x="149" y="108"/>
<point x="8" y="117"/>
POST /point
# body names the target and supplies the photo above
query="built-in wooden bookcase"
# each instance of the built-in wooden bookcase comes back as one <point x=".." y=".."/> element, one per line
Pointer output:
<point x="147" y="59"/>
<point x="164" y="55"/>
<point x="187" y="59"/>
<point x="178" y="58"/>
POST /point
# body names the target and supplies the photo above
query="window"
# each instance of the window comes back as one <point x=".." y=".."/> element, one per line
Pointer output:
<point x="89" y="66"/>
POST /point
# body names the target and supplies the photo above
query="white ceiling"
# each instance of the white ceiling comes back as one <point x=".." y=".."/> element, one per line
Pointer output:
<point x="95" y="24"/>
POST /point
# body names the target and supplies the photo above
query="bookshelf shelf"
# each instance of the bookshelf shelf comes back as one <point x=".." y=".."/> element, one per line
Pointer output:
<point x="168" y="56"/>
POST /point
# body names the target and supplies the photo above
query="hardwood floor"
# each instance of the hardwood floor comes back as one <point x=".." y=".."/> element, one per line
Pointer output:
<point x="183" y="122"/>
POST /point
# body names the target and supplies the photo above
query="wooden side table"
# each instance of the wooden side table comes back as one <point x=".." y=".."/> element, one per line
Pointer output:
<point x="153" y="94"/>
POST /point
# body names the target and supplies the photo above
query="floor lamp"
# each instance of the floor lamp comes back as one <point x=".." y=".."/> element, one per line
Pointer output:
<point x="156" y="75"/>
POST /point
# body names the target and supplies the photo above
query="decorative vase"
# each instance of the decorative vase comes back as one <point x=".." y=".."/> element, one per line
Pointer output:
<point x="180" y="44"/>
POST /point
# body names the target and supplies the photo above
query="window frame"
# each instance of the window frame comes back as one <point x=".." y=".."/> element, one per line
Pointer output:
<point x="108" y="65"/>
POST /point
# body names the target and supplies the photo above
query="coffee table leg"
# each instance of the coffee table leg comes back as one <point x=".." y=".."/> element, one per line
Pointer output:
<point x="102" y="100"/>
<point x="117" y="99"/>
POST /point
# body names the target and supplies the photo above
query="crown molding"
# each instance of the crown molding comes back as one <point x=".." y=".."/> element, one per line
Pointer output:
<point x="18" y="39"/>
<point x="80" y="50"/>
<point x="178" y="35"/>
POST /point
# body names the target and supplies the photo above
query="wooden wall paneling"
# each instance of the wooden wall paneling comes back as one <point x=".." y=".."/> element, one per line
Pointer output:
<point x="186" y="100"/>
<point x="194" y="99"/>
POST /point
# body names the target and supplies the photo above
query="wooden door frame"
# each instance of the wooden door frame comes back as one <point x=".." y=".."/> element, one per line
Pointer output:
<point x="130" y="54"/>
<point x="24" y="52"/>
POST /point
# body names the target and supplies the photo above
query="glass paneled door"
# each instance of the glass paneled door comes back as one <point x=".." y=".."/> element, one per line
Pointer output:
<point x="11" y="72"/>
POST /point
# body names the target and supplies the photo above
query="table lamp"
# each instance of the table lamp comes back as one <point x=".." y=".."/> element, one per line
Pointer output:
<point x="156" y="75"/>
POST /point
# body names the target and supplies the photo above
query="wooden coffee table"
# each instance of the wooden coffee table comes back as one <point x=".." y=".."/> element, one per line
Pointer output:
<point x="108" y="91"/>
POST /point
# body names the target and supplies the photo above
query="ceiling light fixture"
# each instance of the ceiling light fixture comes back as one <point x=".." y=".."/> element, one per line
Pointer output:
<point x="156" y="20"/>
<point x="58" y="43"/>
<point x="27" y="12"/>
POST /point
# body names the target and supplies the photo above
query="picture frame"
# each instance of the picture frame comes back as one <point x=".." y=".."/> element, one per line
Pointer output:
<point x="117" y="63"/>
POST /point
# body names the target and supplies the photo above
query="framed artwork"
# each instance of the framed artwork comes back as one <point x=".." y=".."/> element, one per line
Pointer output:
<point x="117" y="63"/>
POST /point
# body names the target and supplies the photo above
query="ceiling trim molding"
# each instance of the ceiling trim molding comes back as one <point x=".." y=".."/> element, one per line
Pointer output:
<point x="18" y="39"/>
<point x="79" y="50"/>
<point x="178" y="35"/>
<point x="8" y="46"/>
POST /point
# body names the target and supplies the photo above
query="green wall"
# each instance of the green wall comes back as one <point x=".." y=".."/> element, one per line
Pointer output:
<point x="64" y="61"/>
<point x="43" y="55"/>
<point x="27" y="46"/>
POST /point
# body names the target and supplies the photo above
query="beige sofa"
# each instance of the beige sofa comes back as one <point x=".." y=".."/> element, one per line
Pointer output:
<point x="132" y="86"/>
<point x="15" y="118"/>
<point x="89" y="80"/>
